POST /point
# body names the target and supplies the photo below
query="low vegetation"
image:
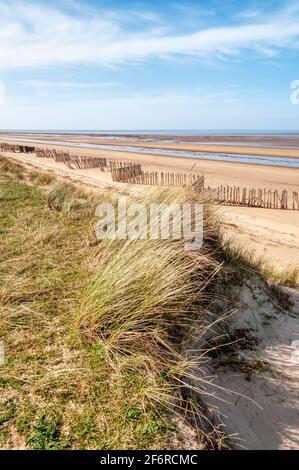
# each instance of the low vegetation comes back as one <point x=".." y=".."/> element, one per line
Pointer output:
<point x="288" y="276"/>
<point x="92" y="332"/>
<point x="96" y="334"/>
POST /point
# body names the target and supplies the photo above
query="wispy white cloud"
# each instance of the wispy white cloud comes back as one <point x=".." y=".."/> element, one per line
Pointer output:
<point x="34" y="35"/>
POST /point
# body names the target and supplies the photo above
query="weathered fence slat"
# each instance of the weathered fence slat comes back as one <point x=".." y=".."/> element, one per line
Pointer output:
<point x="255" y="197"/>
<point x="4" y="147"/>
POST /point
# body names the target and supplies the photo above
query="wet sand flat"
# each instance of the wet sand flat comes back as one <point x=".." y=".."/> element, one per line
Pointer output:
<point x="192" y="147"/>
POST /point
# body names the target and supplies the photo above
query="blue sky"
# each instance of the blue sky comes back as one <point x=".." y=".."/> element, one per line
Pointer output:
<point x="149" y="64"/>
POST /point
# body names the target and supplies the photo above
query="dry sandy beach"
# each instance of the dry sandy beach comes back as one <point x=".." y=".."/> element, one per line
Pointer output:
<point x="272" y="234"/>
<point x="216" y="173"/>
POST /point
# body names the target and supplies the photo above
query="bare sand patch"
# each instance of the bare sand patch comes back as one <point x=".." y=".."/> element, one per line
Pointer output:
<point x="268" y="233"/>
<point x="260" y="408"/>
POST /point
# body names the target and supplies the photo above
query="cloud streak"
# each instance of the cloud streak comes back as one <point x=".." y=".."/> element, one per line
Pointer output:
<point x="38" y="36"/>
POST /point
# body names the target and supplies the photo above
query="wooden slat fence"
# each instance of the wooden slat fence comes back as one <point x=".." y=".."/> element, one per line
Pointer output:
<point x="125" y="174"/>
<point x="155" y="178"/>
<point x="115" y="164"/>
<point x="81" y="162"/>
<point x="4" y="147"/>
<point x="262" y="198"/>
<point x="44" y="153"/>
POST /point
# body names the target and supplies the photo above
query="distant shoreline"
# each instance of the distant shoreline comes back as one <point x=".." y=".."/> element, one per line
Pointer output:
<point x="279" y="140"/>
<point x="242" y="154"/>
<point x="178" y="132"/>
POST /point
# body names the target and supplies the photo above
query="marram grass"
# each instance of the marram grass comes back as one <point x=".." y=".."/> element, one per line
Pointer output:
<point x="96" y="334"/>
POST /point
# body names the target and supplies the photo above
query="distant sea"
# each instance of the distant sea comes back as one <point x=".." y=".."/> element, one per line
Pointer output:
<point x="184" y="132"/>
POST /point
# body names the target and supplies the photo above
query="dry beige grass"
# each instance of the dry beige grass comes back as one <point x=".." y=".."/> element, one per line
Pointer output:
<point x="288" y="276"/>
<point x="97" y="334"/>
<point x="93" y="334"/>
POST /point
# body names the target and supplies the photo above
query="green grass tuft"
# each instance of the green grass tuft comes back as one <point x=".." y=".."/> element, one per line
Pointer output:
<point x="46" y="434"/>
